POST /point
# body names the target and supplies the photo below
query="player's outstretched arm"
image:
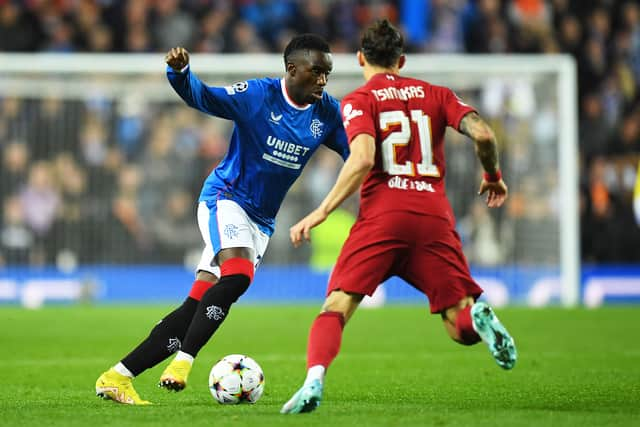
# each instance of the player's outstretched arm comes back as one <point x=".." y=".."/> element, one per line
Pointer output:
<point x="487" y="151"/>
<point x="208" y="99"/>
<point x="360" y="161"/>
<point x="177" y="58"/>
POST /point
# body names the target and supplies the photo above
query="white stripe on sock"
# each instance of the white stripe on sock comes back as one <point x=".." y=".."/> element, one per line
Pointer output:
<point x="184" y="356"/>
<point x="122" y="370"/>
<point x="315" y="373"/>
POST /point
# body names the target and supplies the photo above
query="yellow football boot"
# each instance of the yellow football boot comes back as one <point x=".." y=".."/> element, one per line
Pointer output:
<point x="119" y="388"/>
<point x="175" y="375"/>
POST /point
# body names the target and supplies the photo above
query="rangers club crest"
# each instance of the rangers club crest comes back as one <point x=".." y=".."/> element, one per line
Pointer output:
<point x="214" y="312"/>
<point x="174" y="345"/>
<point x="316" y="128"/>
<point x="231" y="231"/>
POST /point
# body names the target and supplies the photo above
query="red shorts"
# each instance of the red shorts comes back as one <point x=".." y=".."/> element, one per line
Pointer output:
<point x="423" y="250"/>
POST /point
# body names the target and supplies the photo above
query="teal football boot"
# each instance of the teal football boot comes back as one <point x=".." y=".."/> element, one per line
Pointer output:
<point x="492" y="332"/>
<point x="306" y="399"/>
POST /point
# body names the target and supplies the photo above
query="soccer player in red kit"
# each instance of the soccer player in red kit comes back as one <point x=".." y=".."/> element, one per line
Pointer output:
<point x="405" y="227"/>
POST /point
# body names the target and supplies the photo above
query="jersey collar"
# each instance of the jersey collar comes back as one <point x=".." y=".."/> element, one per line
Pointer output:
<point x="290" y="101"/>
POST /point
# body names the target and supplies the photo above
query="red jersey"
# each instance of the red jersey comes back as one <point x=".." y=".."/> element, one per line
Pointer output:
<point x="408" y="118"/>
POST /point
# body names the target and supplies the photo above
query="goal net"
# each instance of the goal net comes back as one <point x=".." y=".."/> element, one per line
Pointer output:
<point x="102" y="161"/>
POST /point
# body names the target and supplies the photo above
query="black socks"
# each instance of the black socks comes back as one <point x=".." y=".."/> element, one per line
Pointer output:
<point x="212" y="310"/>
<point x="164" y="340"/>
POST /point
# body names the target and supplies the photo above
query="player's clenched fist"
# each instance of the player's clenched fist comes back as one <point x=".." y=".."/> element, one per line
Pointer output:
<point x="177" y="58"/>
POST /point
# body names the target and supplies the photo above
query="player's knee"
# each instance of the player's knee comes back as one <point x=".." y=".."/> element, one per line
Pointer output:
<point x="198" y="289"/>
<point x="337" y="301"/>
<point x="237" y="266"/>
<point x="236" y="276"/>
<point x="342" y="302"/>
<point x="206" y="276"/>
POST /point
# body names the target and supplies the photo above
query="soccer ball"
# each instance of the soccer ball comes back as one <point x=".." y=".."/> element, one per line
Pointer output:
<point x="235" y="379"/>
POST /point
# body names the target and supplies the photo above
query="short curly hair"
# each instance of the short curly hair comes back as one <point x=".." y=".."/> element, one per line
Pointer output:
<point x="382" y="44"/>
<point x="306" y="42"/>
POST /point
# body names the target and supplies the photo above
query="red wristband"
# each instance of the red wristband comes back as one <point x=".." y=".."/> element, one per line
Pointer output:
<point x="492" y="177"/>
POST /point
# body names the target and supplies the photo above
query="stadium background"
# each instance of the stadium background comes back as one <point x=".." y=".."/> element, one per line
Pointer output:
<point x="98" y="197"/>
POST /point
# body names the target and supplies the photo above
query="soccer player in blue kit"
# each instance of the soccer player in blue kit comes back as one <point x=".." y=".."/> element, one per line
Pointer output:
<point x="279" y="123"/>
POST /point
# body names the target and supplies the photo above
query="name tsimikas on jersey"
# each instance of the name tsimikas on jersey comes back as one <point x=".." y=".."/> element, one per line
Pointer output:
<point x="403" y="93"/>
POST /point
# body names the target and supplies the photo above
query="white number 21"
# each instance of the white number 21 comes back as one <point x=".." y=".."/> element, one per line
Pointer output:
<point x="402" y="137"/>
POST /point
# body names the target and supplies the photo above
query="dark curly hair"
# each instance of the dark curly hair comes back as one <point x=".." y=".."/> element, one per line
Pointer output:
<point x="382" y="44"/>
<point x="306" y="42"/>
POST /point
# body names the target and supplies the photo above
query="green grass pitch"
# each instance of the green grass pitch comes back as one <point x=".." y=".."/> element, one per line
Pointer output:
<point x="397" y="368"/>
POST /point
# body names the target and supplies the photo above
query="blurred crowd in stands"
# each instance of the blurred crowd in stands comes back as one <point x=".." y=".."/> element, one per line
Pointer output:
<point x="120" y="185"/>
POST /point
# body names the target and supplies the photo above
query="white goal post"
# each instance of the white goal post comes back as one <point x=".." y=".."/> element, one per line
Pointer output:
<point x="521" y="82"/>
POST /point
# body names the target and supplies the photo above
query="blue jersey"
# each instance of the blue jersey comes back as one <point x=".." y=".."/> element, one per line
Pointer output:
<point x="272" y="140"/>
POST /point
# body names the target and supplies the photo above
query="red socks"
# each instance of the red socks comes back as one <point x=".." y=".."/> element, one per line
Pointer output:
<point x="199" y="288"/>
<point x="464" y="326"/>
<point x="234" y="266"/>
<point x="325" y="338"/>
